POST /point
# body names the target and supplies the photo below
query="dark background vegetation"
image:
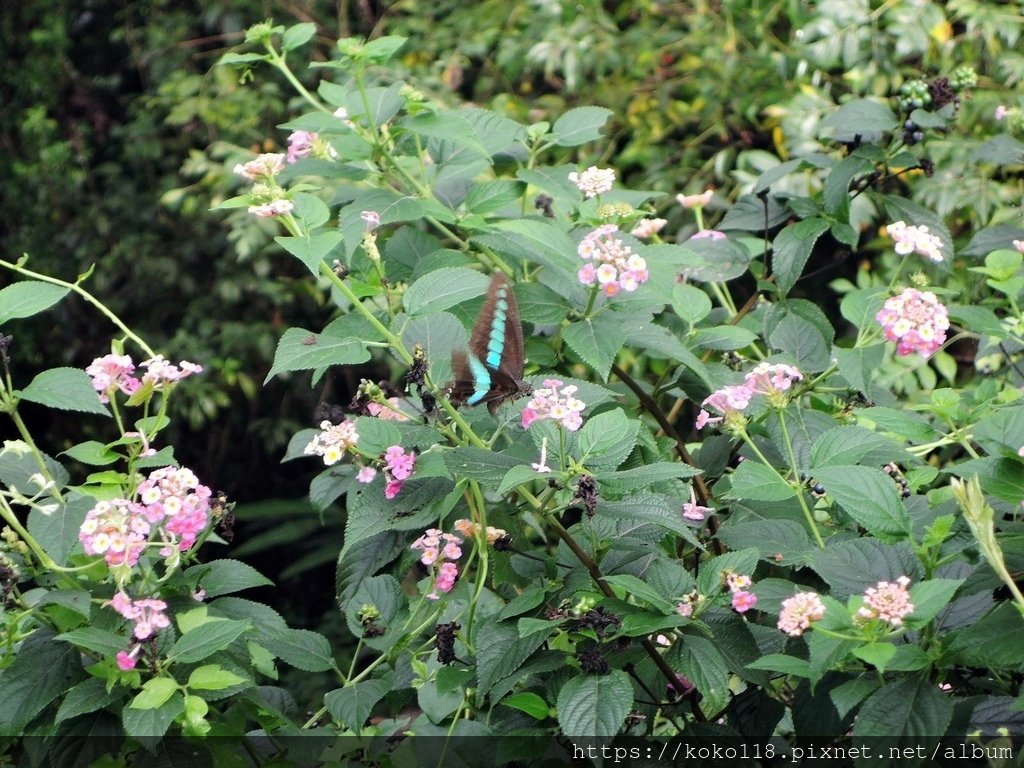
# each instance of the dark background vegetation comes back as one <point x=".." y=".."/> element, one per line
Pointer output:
<point x="118" y="134"/>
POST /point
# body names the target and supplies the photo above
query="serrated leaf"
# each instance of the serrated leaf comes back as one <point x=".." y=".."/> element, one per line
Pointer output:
<point x="57" y="531"/>
<point x="772" y="538"/>
<point x="597" y="341"/>
<point x="300" y="350"/>
<point x="501" y="651"/>
<point x="39" y="673"/>
<point x="595" y="705"/>
<point x="869" y="496"/>
<point x="846" y="445"/>
<point x="791" y="249"/>
<point x="580" y="125"/>
<point x="155" y="692"/>
<point x="27" y="298"/>
<point x="444" y="288"/>
<point x="67" y="389"/>
<point x="905" y="712"/>
<point x="527" y="702"/>
<point x="88" y="696"/>
<point x="758" y="482"/>
<point x="302" y="649"/>
<point x="206" y="639"/>
<point x="212" y="677"/>
<point x="311" y="249"/>
<point x="860" y="116"/>
<point x="222" y="577"/>
<point x="353" y="704"/>
<point x="852" y="566"/>
<point x="607" y="439"/>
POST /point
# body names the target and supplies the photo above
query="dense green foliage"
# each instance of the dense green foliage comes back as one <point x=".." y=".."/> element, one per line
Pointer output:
<point x="638" y="585"/>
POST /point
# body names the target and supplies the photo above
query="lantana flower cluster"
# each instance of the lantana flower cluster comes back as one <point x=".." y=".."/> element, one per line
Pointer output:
<point x="695" y="201"/>
<point x="773" y="380"/>
<point x="333" y="441"/>
<point x="306" y="143"/>
<point x="646" y="228"/>
<point x="888" y="601"/>
<point x="553" y="401"/>
<point x="398" y="467"/>
<point x="619" y="269"/>
<point x="148" y="614"/>
<point x="268" y="197"/>
<point x="112" y="373"/>
<point x="916" y="321"/>
<point x="742" y="599"/>
<point x="440" y="550"/>
<point x="799" y="611"/>
<point x="172" y="504"/>
<point x="594" y="181"/>
<point x="909" y="239"/>
<point x="694" y="511"/>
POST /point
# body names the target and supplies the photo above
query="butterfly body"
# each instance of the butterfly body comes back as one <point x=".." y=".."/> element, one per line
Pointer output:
<point x="491" y="371"/>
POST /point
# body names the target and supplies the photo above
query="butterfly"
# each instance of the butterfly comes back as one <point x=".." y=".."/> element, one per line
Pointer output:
<point x="491" y="371"/>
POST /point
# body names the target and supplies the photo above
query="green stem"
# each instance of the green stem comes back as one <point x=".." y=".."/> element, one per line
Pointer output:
<point x="799" y="489"/>
<point x="278" y="62"/>
<point x="85" y="295"/>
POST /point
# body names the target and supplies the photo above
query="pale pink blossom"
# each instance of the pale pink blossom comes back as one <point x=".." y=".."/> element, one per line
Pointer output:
<point x="743" y="601"/>
<point x="646" y="228"/>
<point x="799" y="611"/>
<point x="594" y="181"/>
<point x="618" y="267"/>
<point x="113" y="373"/>
<point x="265" y="166"/>
<point x="333" y="441"/>
<point x="695" y="201"/>
<point x="910" y="239"/>
<point x="916" y="321"/>
<point x="553" y="401"/>
<point x="709" y="234"/>
<point x="888" y="601"/>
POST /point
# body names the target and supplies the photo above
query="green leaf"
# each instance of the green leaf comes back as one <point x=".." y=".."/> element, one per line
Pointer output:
<point x="88" y="696"/>
<point x="787" y="665"/>
<point x="700" y="660"/>
<point x="906" y="712"/>
<point x="155" y="692"/>
<point x="296" y="35"/>
<point x="152" y="722"/>
<point x="311" y="249"/>
<point x="595" y="705"/>
<point x="648" y="508"/>
<point x="94" y="639"/>
<point x="500" y="652"/>
<point x="607" y="439"/>
<point x="770" y="538"/>
<point x="540" y="241"/>
<point x="869" y="496"/>
<point x="447" y="126"/>
<point x="352" y="705"/>
<point x="754" y="481"/>
<point x="481" y="464"/>
<point x="444" y="288"/>
<point x="645" y="476"/>
<point x="580" y="125"/>
<point x="930" y="597"/>
<point x="632" y="586"/>
<point x="212" y="677"/>
<point x="527" y="702"/>
<point x="222" y="577"/>
<point x="992" y="642"/>
<point x="852" y="566"/>
<point x="801" y="339"/>
<point x="57" y="531"/>
<point x="76" y="600"/>
<point x="836" y="194"/>
<point x="791" y="249"/>
<point x="93" y="453"/>
<point x="40" y="672"/>
<point x="860" y="116"/>
<point x="690" y="303"/>
<point x="710" y="579"/>
<point x="858" y="365"/>
<point x="492" y="196"/>
<point x="597" y="341"/>
<point x="846" y="445"/>
<point x="338" y="344"/>
<point x="723" y="338"/>
<point x="302" y="649"/>
<point x="848" y="695"/>
<point x="206" y="639"/>
<point x="381" y="49"/>
<point x="516" y="476"/>
<point x="876" y="654"/>
<point x="67" y="389"/>
<point x="28" y="298"/>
